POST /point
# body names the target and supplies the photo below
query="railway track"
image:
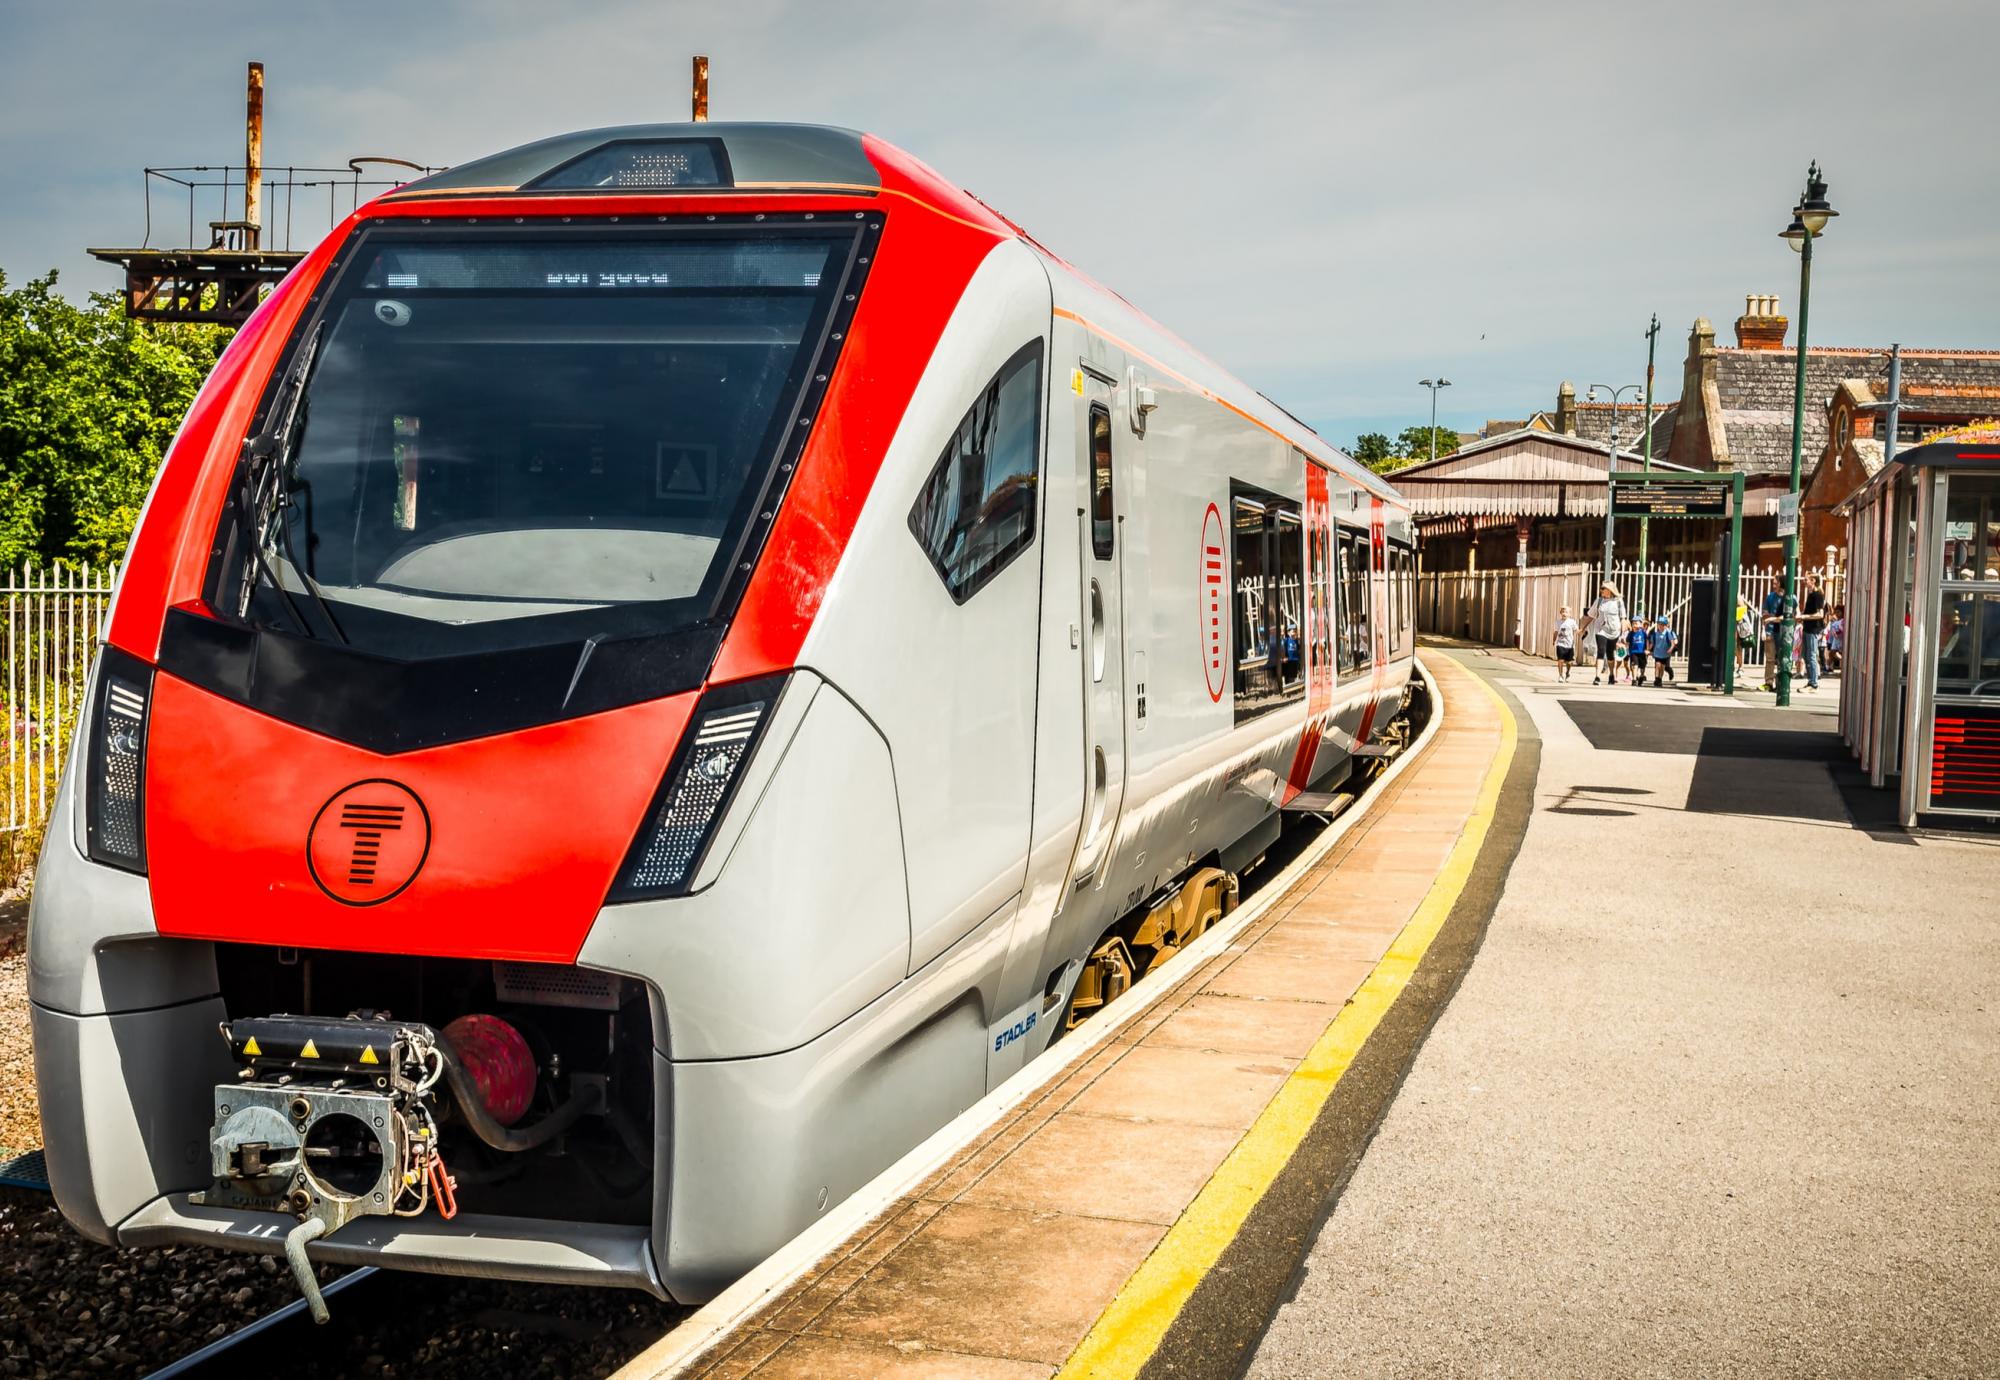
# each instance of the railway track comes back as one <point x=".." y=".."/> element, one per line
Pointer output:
<point x="387" y="1323"/>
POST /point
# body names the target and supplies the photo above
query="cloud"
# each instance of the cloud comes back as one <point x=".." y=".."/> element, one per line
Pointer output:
<point x="1331" y="199"/>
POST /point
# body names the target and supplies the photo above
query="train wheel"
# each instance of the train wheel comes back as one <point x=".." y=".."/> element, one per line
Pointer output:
<point x="1107" y="975"/>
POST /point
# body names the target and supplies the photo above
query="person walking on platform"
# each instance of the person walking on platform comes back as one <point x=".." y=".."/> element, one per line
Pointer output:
<point x="1565" y="642"/>
<point x="1662" y="647"/>
<point x="1607" y="628"/>
<point x="1746" y="635"/>
<point x="1774" y="635"/>
<point x="1836" y="637"/>
<point x="1812" y="625"/>
<point x="1635" y="651"/>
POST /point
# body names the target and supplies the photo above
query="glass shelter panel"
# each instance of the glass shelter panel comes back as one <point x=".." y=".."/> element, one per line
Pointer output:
<point x="1971" y="549"/>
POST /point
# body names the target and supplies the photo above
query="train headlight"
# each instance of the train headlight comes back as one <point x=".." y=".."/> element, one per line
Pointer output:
<point x="697" y="788"/>
<point x="115" y="764"/>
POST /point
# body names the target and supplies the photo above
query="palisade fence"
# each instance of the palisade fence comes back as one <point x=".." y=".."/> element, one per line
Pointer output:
<point x="1490" y="605"/>
<point x="50" y="620"/>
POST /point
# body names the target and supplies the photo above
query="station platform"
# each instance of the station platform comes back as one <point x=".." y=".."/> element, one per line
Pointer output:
<point x="1147" y="1188"/>
<point x="1717" y="1097"/>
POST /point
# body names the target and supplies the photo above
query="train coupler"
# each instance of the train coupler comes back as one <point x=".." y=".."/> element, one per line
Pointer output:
<point x="330" y="1119"/>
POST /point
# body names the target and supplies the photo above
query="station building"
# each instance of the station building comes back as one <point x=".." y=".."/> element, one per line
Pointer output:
<point x="1530" y="490"/>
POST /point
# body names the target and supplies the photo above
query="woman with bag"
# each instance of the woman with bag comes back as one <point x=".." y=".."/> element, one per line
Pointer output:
<point x="1607" y="625"/>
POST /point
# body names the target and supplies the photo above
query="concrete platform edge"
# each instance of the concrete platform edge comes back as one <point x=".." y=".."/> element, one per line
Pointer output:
<point x="1198" y="1306"/>
<point x="1219" y="1328"/>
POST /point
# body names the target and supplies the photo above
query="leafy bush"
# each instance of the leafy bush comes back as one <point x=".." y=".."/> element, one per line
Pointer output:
<point x="89" y="400"/>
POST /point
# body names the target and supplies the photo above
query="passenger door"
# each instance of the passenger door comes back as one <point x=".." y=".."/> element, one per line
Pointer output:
<point x="1103" y="635"/>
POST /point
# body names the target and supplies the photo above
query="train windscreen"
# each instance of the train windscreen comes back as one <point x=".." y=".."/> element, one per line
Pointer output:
<point x="484" y="443"/>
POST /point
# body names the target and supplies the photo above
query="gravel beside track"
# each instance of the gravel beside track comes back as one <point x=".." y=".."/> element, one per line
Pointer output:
<point x="69" y="1307"/>
<point x="20" y="1114"/>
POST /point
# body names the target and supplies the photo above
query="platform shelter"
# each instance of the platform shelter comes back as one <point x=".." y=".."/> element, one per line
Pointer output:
<point x="1920" y="689"/>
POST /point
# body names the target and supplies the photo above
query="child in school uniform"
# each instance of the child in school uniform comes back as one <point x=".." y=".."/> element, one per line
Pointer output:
<point x="1635" y="651"/>
<point x="1661" y="645"/>
<point x="1565" y="643"/>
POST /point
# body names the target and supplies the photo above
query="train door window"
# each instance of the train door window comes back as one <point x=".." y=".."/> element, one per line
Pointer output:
<point x="1356" y="648"/>
<point x="1267" y="551"/>
<point x="1410" y="594"/>
<point x="1319" y="543"/>
<point x="1103" y="508"/>
<point x="1401" y="559"/>
<point x="976" y="511"/>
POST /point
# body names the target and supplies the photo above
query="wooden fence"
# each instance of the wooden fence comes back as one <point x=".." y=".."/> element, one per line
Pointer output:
<point x="50" y="622"/>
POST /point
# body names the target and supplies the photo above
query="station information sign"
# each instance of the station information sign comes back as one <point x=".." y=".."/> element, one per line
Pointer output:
<point x="1670" y="498"/>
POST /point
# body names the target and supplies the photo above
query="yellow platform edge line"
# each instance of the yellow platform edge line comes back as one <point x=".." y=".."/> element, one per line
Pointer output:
<point x="1131" y="1329"/>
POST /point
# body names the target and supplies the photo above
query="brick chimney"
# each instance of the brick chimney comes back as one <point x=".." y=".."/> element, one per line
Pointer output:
<point x="1566" y="409"/>
<point x="1761" y="327"/>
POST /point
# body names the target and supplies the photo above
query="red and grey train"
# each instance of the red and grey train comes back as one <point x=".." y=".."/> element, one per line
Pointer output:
<point x="662" y="665"/>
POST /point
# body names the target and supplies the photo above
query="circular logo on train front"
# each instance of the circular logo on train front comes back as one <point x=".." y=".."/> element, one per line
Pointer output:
<point x="368" y="842"/>
<point x="1214" y="604"/>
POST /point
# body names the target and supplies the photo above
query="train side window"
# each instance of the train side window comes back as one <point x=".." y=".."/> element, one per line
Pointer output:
<point x="1356" y="646"/>
<point x="1267" y="553"/>
<point x="1103" y="510"/>
<point x="976" y="510"/>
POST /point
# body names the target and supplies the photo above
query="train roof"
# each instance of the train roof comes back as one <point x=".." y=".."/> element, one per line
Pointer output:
<point x="678" y="158"/>
<point x="727" y="157"/>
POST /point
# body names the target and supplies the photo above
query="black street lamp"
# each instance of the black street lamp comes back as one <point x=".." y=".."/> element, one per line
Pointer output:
<point x="1809" y="220"/>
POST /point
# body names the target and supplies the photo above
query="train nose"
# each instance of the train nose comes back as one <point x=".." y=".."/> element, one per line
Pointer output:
<point x="504" y="847"/>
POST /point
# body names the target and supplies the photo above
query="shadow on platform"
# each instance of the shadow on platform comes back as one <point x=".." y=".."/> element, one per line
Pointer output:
<point x="1737" y="754"/>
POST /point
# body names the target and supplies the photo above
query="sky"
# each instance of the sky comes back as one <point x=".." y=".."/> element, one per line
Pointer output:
<point x="1332" y="200"/>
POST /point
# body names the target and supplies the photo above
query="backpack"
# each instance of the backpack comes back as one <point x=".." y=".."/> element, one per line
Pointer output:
<point x="1746" y="626"/>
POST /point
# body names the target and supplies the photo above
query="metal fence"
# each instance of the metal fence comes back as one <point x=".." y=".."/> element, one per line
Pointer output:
<point x="50" y="621"/>
<point x="1519" y="607"/>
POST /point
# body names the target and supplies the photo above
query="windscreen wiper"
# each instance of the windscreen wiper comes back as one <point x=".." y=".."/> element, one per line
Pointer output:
<point x="269" y="481"/>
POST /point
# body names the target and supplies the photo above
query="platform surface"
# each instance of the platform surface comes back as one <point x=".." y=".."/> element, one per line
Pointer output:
<point x="1070" y="1234"/>
<point x="1718" y="1097"/>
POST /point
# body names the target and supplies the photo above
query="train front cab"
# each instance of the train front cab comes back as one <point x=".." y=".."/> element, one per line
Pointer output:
<point x="281" y="683"/>
<point x="1920" y="680"/>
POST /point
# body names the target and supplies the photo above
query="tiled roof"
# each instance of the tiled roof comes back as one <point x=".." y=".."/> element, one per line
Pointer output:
<point x="1755" y="390"/>
<point x="1593" y="423"/>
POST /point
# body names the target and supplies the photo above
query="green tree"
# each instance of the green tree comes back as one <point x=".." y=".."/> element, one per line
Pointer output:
<point x="1415" y="443"/>
<point x="1372" y="449"/>
<point x="89" y="400"/>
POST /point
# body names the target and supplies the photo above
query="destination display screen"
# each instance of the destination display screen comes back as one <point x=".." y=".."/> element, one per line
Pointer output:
<point x="1671" y="499"/>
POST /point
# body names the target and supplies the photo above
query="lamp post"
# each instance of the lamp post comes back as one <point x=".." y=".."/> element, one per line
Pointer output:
<point x="1434" y="384"/>
<point x="1610" y="464"/>
<point x="1646" y="465"/>
<point x="1809" y="220"/>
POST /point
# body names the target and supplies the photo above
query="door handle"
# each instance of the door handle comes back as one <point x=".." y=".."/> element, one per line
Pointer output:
<point x="1096" y="630"/>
